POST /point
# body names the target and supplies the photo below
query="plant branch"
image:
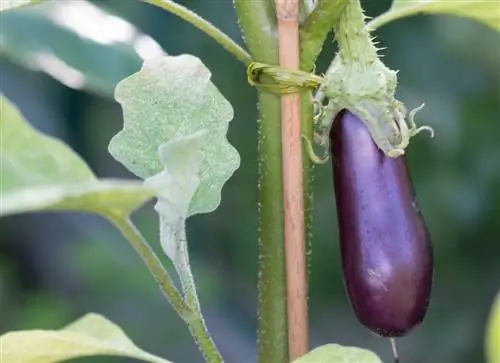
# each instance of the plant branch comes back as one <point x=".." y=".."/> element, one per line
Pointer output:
<point x="191" y="316"/>
<point x="197" y="325"/>
<point x="258" y="22"/>
<point x="313" y="33"/>
<point x="287" y="12"/>
<point x="394" y="14"/>
<point x="152" y="261"/>
<point x="205" y="26"/>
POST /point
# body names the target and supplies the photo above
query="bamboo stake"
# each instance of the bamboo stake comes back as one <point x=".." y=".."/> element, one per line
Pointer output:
<point x="293" y="187"/>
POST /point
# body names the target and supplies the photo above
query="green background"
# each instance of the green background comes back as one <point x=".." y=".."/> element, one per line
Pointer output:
<point x="55" y="267"/>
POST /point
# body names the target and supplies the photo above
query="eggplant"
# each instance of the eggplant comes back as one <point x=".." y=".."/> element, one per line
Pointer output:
<point x="387" y="257"/>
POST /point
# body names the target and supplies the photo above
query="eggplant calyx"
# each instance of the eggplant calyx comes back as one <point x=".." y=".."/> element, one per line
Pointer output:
<point x="368" y="91"/>
<point x="357" y="80"/>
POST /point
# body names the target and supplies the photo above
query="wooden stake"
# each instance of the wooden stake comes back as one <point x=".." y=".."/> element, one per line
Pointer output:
<point x="295" y="250"/>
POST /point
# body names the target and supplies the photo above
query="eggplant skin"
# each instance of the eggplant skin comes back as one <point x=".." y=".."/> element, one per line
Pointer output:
<point x="387" y="257"/>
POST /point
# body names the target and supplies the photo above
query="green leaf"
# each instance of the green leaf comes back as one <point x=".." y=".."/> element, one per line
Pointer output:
<point x="171" y="98"/>
<point x="14" y="4"/>
<point x="484" y="11"/>
<point x="334" y="353"/>
<point x="90" y="335"/>
<point x="493" y="333"/>
<point x="177" y="185"/>
<point x="39" y="172"/>
<point x="106" y="196"/>
<point x="61" y="39"/>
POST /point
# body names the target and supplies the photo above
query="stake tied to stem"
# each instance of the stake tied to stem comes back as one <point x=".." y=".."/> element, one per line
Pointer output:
<point x="279" y="80"/>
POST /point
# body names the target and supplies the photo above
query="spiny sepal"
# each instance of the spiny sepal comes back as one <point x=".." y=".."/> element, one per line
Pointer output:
<point x="368" y="91"/>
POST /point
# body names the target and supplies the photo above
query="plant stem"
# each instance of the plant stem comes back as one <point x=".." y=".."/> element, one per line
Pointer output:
<point x="258" y="23"/>
<point x="306" y="117"/>
<point x="394" y="14"/>
<point x="354" y="39"/>
<point x="316" y="28"/>
<point x="191" y="317"/>
<point x="296" y="267"/>
<point x="205" y="26"/>
<point x="197" y="325"/>
<point x="150" y="258"/>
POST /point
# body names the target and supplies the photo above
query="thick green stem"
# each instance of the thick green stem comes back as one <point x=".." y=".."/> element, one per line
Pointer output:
<point x="354" y="39"/>
<point x="258" y="23"/>
<point x="314" y="31"/>
<point x="205" y="26"/>
<point x="191" y="315"/>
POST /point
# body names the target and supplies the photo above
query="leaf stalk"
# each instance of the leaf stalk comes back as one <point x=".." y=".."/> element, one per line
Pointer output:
<point x="205" y="26"/>
<point x="188" y="309"/>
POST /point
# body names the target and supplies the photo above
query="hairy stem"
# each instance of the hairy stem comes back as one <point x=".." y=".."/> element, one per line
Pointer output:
<point x="150" y="258"/>
<point x="258" y="23"/>
<point x="314" y="31"/>
<point x="191" y="316"/>
<point x="197" y="325"/>
<point x="293" y="189"/>
<point x="354" y="39"/>
<point x="306" y="117"/>
<point x="205" y="26"/>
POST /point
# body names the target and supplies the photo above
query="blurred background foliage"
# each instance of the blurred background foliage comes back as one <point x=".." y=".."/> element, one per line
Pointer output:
<point x="56" y="266"/>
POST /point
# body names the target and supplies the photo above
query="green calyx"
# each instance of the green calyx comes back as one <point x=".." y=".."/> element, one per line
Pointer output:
<point x="358" y="81"/>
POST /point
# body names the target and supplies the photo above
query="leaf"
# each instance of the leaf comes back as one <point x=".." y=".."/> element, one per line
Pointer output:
<point x="334" y="353"/>
<point x="484" y="11"/>
<point x="14" y="4"/>
<point x="61" y="39"/>
<point x="493" y="333"/>
<point x="39" y="172"/>
<point x="90" y="335"/>
<point x="172" y="97"/>
<point x="119" y="197"/>
<point x="177" y="185"/>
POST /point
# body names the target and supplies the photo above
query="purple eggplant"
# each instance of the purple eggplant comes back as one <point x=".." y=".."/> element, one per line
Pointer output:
<point x="387" y="258"/>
